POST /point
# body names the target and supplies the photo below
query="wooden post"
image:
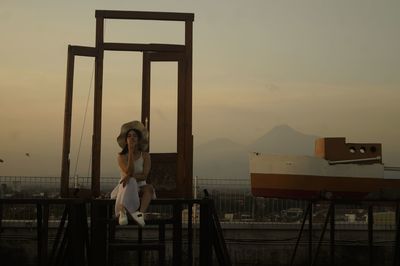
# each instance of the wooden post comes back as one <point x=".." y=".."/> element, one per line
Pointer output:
<point x="146" y="77"/>
<point x="181" y="140"/>
<point x="67" y="124"/>
<point x="188" y="176"/>
<point x="96" y="145"/>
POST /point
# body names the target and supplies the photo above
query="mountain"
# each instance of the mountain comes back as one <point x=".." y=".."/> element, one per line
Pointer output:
<point x="223" y="158"/>
<point x="284" y="140"/>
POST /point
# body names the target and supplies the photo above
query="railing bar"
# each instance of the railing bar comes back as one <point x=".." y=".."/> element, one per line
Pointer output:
<point x="300" y="233"/>
<point x="190" y="234"/>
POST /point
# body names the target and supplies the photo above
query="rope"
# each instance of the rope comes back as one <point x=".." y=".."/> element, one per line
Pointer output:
<point x="84" y="122"/>
<point x="90" y="155"/>
<point x="84" y="119"/>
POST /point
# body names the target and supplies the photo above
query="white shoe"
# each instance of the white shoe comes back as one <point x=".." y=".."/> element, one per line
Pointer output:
<point x="139" y="218"/>
<point x="122" y="219"/>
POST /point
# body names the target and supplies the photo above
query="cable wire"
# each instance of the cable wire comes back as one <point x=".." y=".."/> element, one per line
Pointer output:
<point x="84" y="122"/>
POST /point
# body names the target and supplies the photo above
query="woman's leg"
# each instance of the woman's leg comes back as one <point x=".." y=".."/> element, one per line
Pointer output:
<point x="118" y="202"/>
<point x="147" y="195"/>
<point x="128" y="197"/>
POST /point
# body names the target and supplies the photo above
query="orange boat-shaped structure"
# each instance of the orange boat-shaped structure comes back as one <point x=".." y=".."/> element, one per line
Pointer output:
<point x="338" y="170"/>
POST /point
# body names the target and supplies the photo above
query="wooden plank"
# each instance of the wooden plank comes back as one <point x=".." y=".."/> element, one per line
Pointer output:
<point x="143" y="15"/>
<point x="143" y="47"/>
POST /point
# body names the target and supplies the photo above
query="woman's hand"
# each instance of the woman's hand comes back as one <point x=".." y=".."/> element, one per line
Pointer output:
<point x="131" y="144"/>
<point x="124" y="181"/>
<point x="140" y="177"/>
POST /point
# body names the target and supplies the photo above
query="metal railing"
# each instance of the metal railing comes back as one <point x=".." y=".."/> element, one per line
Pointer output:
<point x="234" y="202"/>
<point x="254" y="228"/>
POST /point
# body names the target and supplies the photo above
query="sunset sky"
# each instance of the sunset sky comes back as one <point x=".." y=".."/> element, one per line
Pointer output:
<point x="326" y="68"/>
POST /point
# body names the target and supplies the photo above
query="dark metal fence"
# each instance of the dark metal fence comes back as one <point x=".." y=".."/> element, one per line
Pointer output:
<point x="257" y="230"/>
<point x="82" y="241"/>
<point x="233" y="201"/>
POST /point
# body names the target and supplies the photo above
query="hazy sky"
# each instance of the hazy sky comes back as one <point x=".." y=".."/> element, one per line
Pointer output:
<point x="327" y="68"/>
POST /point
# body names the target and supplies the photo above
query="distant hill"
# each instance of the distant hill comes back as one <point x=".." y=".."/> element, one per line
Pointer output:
<point x="223" y="158"/>
<point x="284" y="140"/>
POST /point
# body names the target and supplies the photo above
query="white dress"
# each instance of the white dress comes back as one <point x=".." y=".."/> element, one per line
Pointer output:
<point x="128" y="196"/>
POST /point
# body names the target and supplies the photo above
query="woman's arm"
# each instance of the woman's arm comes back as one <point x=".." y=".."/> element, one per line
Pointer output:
<point x="127" y="168"/>
<point x="146" y="167"/>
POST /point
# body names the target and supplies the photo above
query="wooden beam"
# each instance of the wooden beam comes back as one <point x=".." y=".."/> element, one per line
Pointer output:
<point x="83" y="50"/>
<point x="146" y="73"/>
<point x="180" y="179"/>
<point x="166" y="56"/>
<point x="143" y="15"/>
<point x="140" y="47"/>
<point x="98" y="91"/>
<point x="188" y="181"/>
<point x="67" y="124"/>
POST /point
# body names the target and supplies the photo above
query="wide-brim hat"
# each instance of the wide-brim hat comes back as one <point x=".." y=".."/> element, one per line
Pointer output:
<point x="137" y="125"/>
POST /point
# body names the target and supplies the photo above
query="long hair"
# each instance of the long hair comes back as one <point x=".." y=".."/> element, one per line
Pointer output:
<point x="138" y="134"/>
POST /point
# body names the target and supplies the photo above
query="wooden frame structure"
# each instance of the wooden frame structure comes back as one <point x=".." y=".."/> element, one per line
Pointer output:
<point x="171" y="172"/>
